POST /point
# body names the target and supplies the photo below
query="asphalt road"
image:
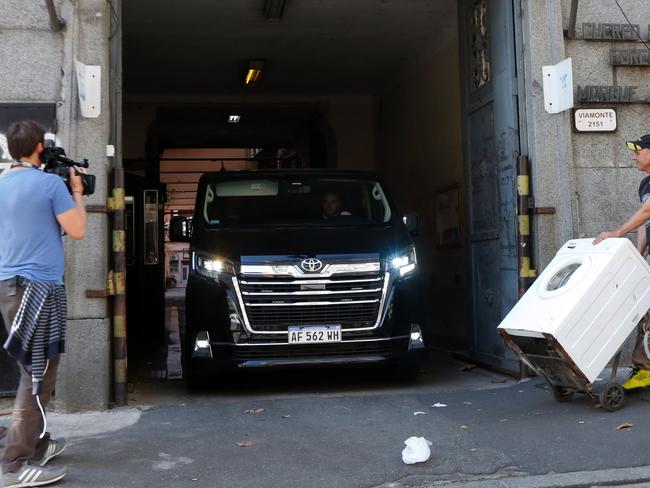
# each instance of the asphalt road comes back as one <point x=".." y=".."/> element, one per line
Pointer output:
<point x="329" y="428"/>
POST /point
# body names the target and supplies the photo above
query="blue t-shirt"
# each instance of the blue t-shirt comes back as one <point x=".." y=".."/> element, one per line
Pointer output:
<point x="30" y="236"/>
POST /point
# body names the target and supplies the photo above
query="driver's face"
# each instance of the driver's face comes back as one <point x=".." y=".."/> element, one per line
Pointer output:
<point x="331" y="205"/>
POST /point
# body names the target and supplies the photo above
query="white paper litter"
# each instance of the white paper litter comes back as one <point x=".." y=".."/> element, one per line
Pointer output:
<point x="416" y="451"/>
<point x="438" y="405"/>
<point x="419" y="413"/>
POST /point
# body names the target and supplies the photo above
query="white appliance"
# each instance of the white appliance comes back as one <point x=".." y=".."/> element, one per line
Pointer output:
<point x="579" y="311"/>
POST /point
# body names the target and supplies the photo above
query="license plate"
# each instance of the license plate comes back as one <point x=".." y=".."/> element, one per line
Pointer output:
<point x="312" y="334"/>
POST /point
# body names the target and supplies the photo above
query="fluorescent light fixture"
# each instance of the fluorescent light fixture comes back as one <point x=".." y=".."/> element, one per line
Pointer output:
<point x="273" y="9"/>
<point x="254" y="72"/>
<point x="234" y="119"/>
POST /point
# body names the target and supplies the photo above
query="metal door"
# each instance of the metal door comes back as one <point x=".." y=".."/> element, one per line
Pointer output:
<point x="491" y="140"/>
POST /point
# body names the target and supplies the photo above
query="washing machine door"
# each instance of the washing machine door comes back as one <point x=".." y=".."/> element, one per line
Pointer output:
<point x="563" y="276"/>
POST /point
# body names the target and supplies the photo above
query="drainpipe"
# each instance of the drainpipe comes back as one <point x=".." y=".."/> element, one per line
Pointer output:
<point x="117" y="205"/>
<point x="56" y="23"/>
<point x="571" y="33"/>
<point x="525" y="210"/>
<point x="525" y="207"/>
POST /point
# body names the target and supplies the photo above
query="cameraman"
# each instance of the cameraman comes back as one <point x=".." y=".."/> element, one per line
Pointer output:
<point x="36" y="206"/>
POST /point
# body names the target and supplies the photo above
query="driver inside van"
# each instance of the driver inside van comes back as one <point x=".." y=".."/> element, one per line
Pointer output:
<point x="331" y="206"/>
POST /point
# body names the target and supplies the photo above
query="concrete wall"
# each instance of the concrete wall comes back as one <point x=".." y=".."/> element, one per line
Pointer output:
<point x="36" y="65"/>
<point x="419" y="152"/>
<point x="353" y="123"/>
<point x="606" y="177"/>
<point x="589" y="178"/>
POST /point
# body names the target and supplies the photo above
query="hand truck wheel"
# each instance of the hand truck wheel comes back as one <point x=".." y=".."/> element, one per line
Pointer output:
<point x="612" y="397"/>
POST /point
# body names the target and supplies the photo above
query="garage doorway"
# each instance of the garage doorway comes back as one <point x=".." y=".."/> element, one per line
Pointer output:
<point x="368" y="85"/>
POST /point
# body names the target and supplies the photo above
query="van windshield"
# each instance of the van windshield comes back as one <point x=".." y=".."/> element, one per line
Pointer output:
<point x="295" y="200"/>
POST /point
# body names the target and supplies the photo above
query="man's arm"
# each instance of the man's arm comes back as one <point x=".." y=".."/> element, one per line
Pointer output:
<point x="639" y="218"/>
<point x="75" y="220"/>
<point x="641" y="240"/>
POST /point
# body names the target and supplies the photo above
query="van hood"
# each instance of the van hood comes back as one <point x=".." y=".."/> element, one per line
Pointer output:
<point x="285" y="242"/>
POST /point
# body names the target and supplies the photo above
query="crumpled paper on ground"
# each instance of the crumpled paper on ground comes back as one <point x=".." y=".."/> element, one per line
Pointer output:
<point x="416" y="451"/>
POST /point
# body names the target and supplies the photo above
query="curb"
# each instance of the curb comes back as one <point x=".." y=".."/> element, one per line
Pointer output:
<point x="578" y="479"/>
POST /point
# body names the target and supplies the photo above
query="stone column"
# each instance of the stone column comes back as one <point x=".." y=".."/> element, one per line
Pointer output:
<point x="549" y="135"/>
<point x="84" y="374"/>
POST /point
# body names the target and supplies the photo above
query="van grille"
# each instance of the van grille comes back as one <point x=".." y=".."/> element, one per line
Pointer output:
<point x="274" y="304"/>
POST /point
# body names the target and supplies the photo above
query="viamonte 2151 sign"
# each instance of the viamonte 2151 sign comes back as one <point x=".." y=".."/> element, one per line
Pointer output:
<point x="595" y="119"/>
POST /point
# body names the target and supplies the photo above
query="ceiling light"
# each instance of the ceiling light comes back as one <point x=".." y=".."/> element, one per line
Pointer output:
<point x="254" y="72"/>
<point x="273" y="9"/>
<point x="234" y="119"/>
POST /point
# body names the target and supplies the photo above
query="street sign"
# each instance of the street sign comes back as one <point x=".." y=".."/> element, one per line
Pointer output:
<point x="595" y="119"/>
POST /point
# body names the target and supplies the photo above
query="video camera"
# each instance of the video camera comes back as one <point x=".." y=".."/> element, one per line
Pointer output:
<point x="56" y="162"/>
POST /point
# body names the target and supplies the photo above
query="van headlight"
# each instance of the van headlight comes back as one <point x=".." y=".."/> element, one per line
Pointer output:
<point x="212" y="266"/>
<point x="405" y="261"/>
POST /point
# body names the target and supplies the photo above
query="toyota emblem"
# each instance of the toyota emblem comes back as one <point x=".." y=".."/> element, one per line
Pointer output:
<point x="311" y="265"/>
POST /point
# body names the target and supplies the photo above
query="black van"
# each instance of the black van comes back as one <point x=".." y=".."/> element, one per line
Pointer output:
<point x="298" y="268"/>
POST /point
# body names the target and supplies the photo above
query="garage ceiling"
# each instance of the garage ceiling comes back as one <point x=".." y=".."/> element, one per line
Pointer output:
<point x="319" y="46"/>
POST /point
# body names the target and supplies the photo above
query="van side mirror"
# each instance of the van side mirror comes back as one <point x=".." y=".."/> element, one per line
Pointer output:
<point x="180" y="229"/>
<point x="412" y="223"/>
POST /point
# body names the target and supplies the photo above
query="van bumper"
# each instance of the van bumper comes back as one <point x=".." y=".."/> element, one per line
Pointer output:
<point x="265" y="354"/>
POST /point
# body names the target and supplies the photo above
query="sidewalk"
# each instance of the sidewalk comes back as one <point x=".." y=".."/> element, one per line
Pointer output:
<point x="345" y="430"/>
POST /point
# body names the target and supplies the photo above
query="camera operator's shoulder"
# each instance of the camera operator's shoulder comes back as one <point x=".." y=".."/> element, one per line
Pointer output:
<point x="51" y="178"/>
<point x="53" y="182"/>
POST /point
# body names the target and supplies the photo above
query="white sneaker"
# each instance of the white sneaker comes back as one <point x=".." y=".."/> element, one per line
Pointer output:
<point x="54" y="448"/>
<point x="31" y="475"/>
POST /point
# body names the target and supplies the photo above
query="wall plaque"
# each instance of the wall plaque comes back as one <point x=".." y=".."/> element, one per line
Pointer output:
<point x="595" y="119"/>
<point x="607" y="94"/>
<point x="593" y="31"/>
<point x="629" y="57"/>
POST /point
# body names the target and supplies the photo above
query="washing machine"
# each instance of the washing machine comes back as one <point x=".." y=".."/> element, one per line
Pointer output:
<point x="579" y="312"/>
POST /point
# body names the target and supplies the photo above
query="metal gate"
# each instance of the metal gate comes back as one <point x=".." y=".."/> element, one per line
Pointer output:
<point x="491" y="147"/>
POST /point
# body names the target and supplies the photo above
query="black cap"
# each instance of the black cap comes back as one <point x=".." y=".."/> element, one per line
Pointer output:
<point x="643" y="143"/>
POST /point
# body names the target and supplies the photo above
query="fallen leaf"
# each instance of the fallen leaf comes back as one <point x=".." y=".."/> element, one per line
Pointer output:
<point x="195" y="478"/>
<point x="438" y="405"/>
<point x="254" y="410"/>
<point x="498" y="380"/>
<point x="598" y="405"/>
<point x="245" y="443"/>
<point x="467" y="367"/>
<point x="625" y="425"/>
<point x="419" y="413"/>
